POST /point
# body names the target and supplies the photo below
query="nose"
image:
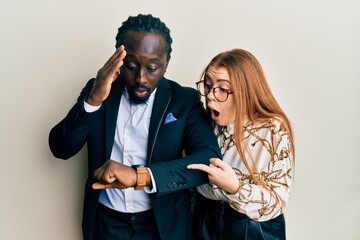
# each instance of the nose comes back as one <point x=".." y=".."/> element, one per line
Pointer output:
<point x="211" y="95"/>
<point x="141" y="77"/>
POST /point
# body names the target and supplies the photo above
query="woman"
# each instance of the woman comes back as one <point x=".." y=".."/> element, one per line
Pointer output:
<point x="248" y="190"/>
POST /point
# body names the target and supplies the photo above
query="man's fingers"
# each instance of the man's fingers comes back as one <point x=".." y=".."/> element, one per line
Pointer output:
<point x="99" y="186"/>
<point x="122" y="55"/>
<point x="98" y="172"/>
<point x="116" y="54"/>
<point x="116" y="59"/>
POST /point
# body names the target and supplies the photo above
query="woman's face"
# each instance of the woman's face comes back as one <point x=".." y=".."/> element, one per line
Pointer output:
<point x="223" y="113"/>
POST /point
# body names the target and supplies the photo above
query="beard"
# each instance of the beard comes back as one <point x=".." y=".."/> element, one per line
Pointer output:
<point x="135" y="99"/>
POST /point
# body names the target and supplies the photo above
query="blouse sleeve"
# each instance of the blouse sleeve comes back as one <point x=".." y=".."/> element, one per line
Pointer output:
<point x="270" y="147"/>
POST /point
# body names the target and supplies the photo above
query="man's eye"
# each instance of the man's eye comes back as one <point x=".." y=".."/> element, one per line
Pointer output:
<point x="132" y="68"/>
<point x="152" y="68"/>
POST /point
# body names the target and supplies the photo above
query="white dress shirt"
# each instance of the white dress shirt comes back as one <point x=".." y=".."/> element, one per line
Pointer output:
<point x="129" y="148"/>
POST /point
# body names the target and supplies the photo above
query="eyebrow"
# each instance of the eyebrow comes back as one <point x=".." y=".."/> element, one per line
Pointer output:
<point x="222" y="80"/>
<point x="217" y="80"/>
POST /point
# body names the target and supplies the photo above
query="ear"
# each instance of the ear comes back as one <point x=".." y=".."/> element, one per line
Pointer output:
<point x="167" y="62"/>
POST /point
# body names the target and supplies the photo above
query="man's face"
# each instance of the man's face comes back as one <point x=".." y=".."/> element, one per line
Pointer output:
<point x="144" y="65"/>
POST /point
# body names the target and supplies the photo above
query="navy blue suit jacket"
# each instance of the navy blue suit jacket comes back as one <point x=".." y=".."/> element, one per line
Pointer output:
<point x="191" y="133"/>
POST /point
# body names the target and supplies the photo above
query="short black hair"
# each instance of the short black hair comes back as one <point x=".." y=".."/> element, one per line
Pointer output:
<point x="144" y="23"/>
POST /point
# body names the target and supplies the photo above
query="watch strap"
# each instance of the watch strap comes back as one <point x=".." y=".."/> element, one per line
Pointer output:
<point x="141" y="175"/>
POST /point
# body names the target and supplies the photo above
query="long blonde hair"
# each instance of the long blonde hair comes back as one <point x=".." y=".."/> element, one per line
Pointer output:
<point x="253" y="98"/>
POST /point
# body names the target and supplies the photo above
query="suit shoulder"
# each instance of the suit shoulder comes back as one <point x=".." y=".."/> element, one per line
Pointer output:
<point x="179" y="89"/>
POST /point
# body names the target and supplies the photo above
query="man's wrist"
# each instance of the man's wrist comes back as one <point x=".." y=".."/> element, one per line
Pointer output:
<point x="89" y="108"/>
<point x="91" y="101"/>
<point x="141" y="176"/>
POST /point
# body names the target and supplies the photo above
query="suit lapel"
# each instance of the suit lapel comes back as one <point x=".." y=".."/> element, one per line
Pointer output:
<point x="161" y="102"/>
<point x="111" y="112"/>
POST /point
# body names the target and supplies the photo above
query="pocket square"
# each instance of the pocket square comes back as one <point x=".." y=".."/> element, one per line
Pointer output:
<point x="169" y="118"/>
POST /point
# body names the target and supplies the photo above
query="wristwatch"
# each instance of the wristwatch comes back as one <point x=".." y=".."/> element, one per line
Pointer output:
<point x="141" y="173"/>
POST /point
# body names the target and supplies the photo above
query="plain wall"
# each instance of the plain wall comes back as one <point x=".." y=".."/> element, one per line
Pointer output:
<point x="308" y="49"/>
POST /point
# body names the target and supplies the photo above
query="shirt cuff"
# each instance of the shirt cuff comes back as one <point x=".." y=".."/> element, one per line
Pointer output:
<point x="153" y="188"/>
<point x="89" y="108"/>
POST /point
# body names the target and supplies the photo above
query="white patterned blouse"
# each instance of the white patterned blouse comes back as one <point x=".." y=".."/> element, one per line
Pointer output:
<point x="270" y="147"/>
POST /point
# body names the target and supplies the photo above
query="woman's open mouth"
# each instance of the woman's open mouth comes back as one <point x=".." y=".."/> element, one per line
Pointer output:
<point x="215" y="115"/>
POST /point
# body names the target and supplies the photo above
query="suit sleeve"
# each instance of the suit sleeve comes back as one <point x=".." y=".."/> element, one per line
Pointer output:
<point x="69" y="135"/>
<point x="199" y="144"/>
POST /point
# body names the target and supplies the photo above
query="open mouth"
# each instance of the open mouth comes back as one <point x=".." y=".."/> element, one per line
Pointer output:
<point x="141" y="92"/>
<point x="215" y="115"/>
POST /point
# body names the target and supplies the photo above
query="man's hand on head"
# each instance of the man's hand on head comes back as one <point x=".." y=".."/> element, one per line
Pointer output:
<point x="105" y="77"/>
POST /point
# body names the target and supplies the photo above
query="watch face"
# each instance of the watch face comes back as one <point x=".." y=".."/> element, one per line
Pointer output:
<point x="138" y="165"/>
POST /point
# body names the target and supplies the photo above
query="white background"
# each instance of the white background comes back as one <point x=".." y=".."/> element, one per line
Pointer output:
<point x="310" y="53"/>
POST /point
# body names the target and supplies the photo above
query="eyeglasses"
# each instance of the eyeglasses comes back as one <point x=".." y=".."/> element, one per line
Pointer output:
<point x="220" y="94"/>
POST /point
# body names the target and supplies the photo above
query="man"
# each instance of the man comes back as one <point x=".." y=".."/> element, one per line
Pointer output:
<point x="137" y="124"/>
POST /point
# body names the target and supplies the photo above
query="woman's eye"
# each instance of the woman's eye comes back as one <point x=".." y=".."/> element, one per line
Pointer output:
<point x="223" y="90"/>
<point x="207" y="86"/>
